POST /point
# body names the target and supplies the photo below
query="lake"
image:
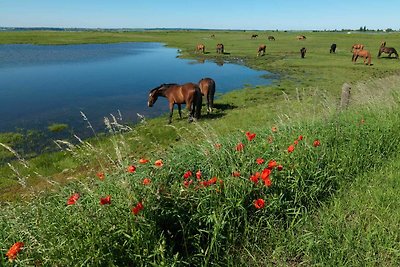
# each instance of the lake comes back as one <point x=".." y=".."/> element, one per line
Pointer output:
<point x="45" y="84"/>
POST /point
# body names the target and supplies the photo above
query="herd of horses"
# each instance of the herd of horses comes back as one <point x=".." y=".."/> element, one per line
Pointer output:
<point x="191" y="94"/>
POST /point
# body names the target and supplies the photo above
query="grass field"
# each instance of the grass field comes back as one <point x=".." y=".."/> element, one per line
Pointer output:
<point x="307" y="217"/>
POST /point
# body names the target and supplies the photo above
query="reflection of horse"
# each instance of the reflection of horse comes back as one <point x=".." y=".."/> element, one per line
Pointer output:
<point x="220" y="48"/>
<point x="254" y="36"/>
<point x="188" y="93"/>
<point x="301" y="37"/>
<point x="387" y="50"/>
<point x="261" y="50"/>
<point x="207" y="88"/>
<point x="357" y="47"/>
<point x="333" y="48"/>
<point x="271" y="38"/>
<point x="201" y="47"/>
<point x="303" y="52"/>
<point x="361" y="53"/>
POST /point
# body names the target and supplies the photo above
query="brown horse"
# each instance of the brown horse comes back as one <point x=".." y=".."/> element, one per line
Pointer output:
<point x="220" y="48"/>
<point x="261" y="50"/>
<point x="361" y="53"/>
<point x="271" y="38"/>
<point x="303" y="52"/>
<point x="207" y="88"/>
<point x="188" y="93"/>
<point x="388" y="50"/>
<point x="301" y="37"/>
<point x="201" y="48"/>
<point x="357" y="47"/>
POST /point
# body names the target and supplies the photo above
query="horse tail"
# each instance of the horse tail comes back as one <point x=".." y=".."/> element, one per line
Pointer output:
<point x="197" y="103"/>
<point x="211" y="93"/>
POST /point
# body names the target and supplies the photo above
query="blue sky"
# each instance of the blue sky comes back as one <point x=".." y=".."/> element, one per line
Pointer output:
<point x="212" y="14"/>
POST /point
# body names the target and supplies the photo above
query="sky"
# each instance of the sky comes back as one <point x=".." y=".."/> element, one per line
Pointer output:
<point x="205" y="14"/>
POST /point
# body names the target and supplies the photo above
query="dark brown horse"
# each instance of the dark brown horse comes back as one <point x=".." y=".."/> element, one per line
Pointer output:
<point x="188" y="93"/>
<point x="388" y="50"/>
<point x="361" y="53"/>
<point x="303" y="52"/>
<point x="333" y="48"/>
<point x="254" y="36"/>
<point x="207" y="88"/>
<point x="201" y="48"/>
<point x="261" y="50"/>
<point x="220" y="48"/>
<point x="271" y="38"/>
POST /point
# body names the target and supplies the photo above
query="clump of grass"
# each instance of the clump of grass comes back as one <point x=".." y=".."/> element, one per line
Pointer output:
<point x="57" y="127"/>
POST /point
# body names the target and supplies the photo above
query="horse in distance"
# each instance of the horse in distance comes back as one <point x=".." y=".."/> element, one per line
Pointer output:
<point x="303" y="52"/>
<point x="387" y="50"/>
<point x="362" y="53"/>
<point x="357" y="47"/>
<point x="201" y="48"/>
<point x="271" y="38"/>
<point x="333" y="49"/>
<point x="220" y="48"/>
<point x="301" y="37"/>
<point x="207" y="88"/>
<point x="188" y="93"/>
<point x="261" y="50"/>
<point x="254" y="36"/>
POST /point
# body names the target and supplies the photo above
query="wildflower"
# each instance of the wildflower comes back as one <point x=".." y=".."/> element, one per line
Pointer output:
<point x="105" y="200"/>
<point x="295" y="142"/>
<point x="267" y="181"/>
<point x="73" y="199"/>
<point x="316" y="143"/>
<point x="274" y="129"/>
<point x="270" y="139"/>
<point x="187" y="183"/>
<point x="198" y="175"/>
<point x="259" y="203"/>
<point x="14" y="250"/>
<point x="146" y="181"/>
<point x="290" y="149"/>
<point x="212" y="180"/>
<point x="250" y="136"/>
<point x="139" y="206"/>
<point x="265" y="173"/>
<point x="143" y="161"/>
<point x="239" y="147"/>
<point x="280" y="167"/>
<point x="254" y="177"/>
<point x="236" y="174"/>
<point x="272" y="164"/>
<point x="260" y="161"/>
<point x="101" y="175"/>
<point x="187" y="174"/>
<point x="300" y="138"/>
<point x="159" y="163"/>
<point x="217" y="146"/>
<point x="131" y="169"/>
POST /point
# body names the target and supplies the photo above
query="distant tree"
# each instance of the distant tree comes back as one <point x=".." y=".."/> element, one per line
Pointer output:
<point x="389" y="30"/>
<point x="365" y="28"/>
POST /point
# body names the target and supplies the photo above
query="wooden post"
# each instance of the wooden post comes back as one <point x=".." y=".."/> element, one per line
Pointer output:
<point x="345" y="99"/>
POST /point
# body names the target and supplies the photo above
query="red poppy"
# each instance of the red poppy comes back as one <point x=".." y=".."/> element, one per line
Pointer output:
<point x="254" y="177"/>
<point x="280" y="167"/>
<point x="267" y="181"/>
<point x="159" y="163"/>
<point x="143" y="161"/>
<point x="187" y="183"/>
<point x="290" y="149"/>
<point x="259" y="203"/>
<point x="265" y="173"/>
<point x="212" y="180"/>
<point x="274" y="129"/>
<point x="239" y="147"/>
<point x="101" y="175"/>
<point x="316" y="143"/>
<point x="131" y="169"/>
<point x="198" y="175"/>
<point x="236" y="174"/>
<point x="187" y="174"/>
<point x="272" y="164"/>
<point x="139" y="206"/>
<point x="260" y="161"/>
<point x="217" y="146"/>
<point x="146" y="181"/>
<point x="105" y="200"/>
<point x="14" y="250"/>
<point x="300" y="138"/>
<point x="250" y="136"/>
<point x="73" y="199"/>
<point x="295" y="142"/>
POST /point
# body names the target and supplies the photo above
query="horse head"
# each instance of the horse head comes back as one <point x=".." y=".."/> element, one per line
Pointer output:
<point x="153" y="95"/>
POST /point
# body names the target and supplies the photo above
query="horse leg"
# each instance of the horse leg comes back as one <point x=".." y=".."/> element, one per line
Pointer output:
<point x="171" y="111"/>
<point x="180" y="110"/>
<point x="190" y="109"/>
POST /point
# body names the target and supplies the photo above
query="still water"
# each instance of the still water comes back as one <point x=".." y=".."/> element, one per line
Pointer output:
<point x="42" y="85"/>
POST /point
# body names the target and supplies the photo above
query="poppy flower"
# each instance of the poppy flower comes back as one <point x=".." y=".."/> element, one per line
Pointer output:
<point x="212" y="180"/>
<point x="239" y="147"/>
<point x="187" y="174"/>
<point x="259" y="203"/>
<point x="274" y="129"/>
<point x="73" y="199"/>
<point x="105" y="200"/>
<point x="236" y="174"/>
<point x="316" y="143"/>
<point x="267" y="181"/>
<point x="139" y="206"/>
<point x="265" y="173"/>
<point x="295" y="142"/>
<point x="101" y="175"/>
<point x="254" y="177"/>
<point x="131" y="169"/>
<point x="300" y="138"/>
<point x="143" y="161"/>
<point x="260" y="161"/>
<point x="159" y="163"/>
<point x="217" y="146"/>
<point x="146" y="181"/>
<point x="250" y="136"/>
<point x="290" y="149"/>
<point x="280" y="167"/>
<point x="272" y="164"/>
<point x="187" y="183"/>
<point x="14" y="250"/>
<point x="198" y="175"/>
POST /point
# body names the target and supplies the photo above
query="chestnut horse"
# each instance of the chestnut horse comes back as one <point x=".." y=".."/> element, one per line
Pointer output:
<point x="388" y="50"/>
<point x="201" y="47"/>
<point x="357" y="47"/>
<point x="301" y="37"/>
<point x="188" y="93"/>
<point x="261" y="50"/>
<point x="361" y="53"/>
<point x="220" y="48"/>
<point x="271" y="38"/>
<point x="207" y="88"/>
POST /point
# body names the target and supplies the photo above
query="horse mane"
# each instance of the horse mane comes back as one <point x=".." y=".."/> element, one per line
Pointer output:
<point x="167" y="85"/>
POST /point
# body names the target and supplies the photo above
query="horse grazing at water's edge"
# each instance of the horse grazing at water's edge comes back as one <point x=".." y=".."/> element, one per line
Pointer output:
<point x="357" y="47"/>
<point x="201" y="48"/>
<point x="301" y="37"/>
<point x="361" y="53"/>
<point x="271" y="38"/>
<point x="333" y="48"/>
<point x="303" y="52"/>
<point x="207" y="88"/>
<point x="220" y="48"/>
<point x="388" y="50"/>
<point x="188" y="93"/>
<point x="261" y="50"/>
